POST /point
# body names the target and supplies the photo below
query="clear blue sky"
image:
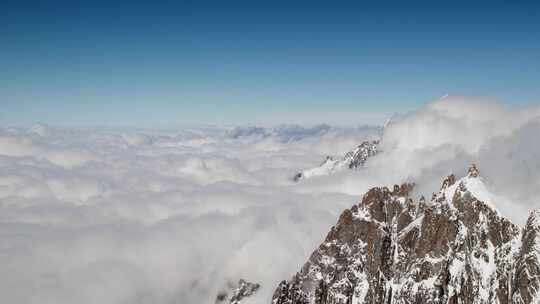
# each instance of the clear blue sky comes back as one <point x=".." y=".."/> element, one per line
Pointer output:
<point x="215" y="62"/>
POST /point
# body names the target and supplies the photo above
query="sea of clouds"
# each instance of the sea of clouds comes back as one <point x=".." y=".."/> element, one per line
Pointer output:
<point x="172" y="216"/>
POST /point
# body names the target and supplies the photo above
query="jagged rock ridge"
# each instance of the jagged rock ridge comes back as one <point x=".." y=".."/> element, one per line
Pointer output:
<point x="454" y="248"/>
<point x="352" y="160"/>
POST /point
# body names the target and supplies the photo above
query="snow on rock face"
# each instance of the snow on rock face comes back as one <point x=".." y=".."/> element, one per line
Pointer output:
<point x="455" y="248"/>
<point x="527" y="277"/>
<point x="352" y="160"/>
<point x="472" y="184"/>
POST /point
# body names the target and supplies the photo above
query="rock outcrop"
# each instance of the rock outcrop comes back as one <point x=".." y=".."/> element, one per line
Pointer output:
<point x="352" y="160"/>
<point x="235" y="293"/>
<point x="390" y="248"/>
<point x="527" y="276"/>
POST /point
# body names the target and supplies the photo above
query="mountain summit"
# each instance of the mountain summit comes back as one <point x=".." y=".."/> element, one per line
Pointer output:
<point x="454" y="248"/>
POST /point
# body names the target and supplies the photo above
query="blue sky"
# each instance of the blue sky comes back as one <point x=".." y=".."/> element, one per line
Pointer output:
<point x="226" y="62"/>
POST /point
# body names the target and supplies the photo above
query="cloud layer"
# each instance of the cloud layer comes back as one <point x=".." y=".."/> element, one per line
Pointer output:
<point x="170" y="216"/>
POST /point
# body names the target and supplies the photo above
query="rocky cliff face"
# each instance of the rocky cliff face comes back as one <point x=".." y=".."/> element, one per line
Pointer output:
<point x="527" y="277"/>
<point x="352" y="160"/>
<point x="454" y="248"/>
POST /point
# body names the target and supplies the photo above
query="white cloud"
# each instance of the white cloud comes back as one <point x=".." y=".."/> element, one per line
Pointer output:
<point x="444" y="137"/>
<point x="147" y="216"/>
<point x="105" y="216"/>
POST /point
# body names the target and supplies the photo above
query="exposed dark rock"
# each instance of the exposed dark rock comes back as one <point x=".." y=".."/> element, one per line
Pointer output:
<point x="357" y="157"/>
<point x="392" y="249"/>
<point x="527" y="274"/>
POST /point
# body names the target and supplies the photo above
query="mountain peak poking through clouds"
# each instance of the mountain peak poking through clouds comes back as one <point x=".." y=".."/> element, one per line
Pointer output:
<point x="235" y="293"/>
<point x="353" y="159"/>
<point x="472" y="184"/>
<point x="392" y="249"/>
<point x="116" y="215"/>
<point x="473" y="171"/>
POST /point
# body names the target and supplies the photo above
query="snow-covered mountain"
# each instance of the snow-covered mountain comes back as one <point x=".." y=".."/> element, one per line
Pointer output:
<point x="352" y="160"/>
<point x="454" y="248"/>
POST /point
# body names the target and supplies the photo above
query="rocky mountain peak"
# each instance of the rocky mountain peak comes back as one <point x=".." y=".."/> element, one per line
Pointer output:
<point x="448" y="181"/>
<point x="390" y="248"/>
<point x="473" y="171"/>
